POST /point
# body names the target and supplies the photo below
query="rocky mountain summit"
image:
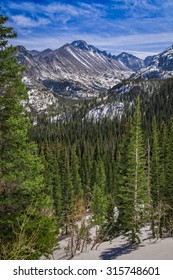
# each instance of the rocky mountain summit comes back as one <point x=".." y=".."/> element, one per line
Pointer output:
<point x="159" y="66"/>
<point x="132" y="62"/>
<point x="77" y="71"/>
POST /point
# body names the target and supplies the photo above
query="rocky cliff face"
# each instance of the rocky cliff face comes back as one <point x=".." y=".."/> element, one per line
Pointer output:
<point x="75" y="70"/>
<point x="159" y="66"/>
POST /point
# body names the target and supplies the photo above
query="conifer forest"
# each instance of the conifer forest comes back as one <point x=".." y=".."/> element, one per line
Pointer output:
<point x="116" y="171"/>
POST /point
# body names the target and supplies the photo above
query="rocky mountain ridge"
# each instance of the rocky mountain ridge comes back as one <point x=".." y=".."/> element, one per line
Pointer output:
<point x="78" y="71"/>
<point x="160" y="66"/>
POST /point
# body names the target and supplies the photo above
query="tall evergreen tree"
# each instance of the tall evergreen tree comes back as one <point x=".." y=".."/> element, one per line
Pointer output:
<point x="68" y="195"/>
<point x="76" y="180"/>
<point x="155" y="165"/>
<point x="99" y="199"/>
<point x="133" y="192"/>
<point x="156" y="180"/>
<point x="168" y="188"/>
<point x="21" y="181"/>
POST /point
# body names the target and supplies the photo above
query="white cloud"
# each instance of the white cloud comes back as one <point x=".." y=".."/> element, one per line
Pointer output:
<point x="136" y="39"/>
<point x="95" y="17"/>
<point x="144" y="8"/>
<point x="23" y="21"/>
<point x="140" y="32"/>
<point x="58" y="8"/>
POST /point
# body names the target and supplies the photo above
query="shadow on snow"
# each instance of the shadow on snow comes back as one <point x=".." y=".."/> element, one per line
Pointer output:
<point x="113" y="253"/>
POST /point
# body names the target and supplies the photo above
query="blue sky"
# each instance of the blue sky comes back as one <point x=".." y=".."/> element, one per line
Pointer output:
<point x="140" y="27"/>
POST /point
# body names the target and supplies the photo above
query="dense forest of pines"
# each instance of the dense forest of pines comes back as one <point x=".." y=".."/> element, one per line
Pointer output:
<point x="111" y="163"/>
<point x="51" y="174"/>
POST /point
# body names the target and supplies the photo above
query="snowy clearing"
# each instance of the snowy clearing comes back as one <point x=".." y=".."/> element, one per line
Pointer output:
<point x="120" y="249"/>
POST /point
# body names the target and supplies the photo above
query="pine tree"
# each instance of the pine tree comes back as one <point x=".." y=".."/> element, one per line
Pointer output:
<point x="155" y="165"/>
<point x="99" y="199"/>
<point x="168" y="188"/>
<point x="52" y="177"/>
<point x="156" y="180"/>
<point x="56" y="183"/>
<point x="67" y="188"/>
<point x="86" y="173"/>
<point x="21" y="181"/>
<point x="76" y="180"/>
<point x="133" y="192"/>
<point x="121" y="159"/>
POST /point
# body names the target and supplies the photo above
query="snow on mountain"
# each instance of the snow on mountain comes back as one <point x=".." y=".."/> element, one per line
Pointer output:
<point x="164" y="61"/>
<point x="84" y="46"/>
<point x="39" y="98"/>
<point x="148" y="60"/>
<point x="109" y="110"/>
<point x="135" y="86"/>
<point x="160" y="66"/>
<point x="75" y="70"/>
<point x="120" y="99"/>
<point x="132" y="62"/>
<point x="25" y="58"/>
<point x="79" y="61"/>
<point x="81" y="44"/>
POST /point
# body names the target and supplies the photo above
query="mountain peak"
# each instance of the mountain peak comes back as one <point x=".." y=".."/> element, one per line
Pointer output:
<point x="34" y="52"/>
<point x="168" y="49"/>
<point x="84" y="46"/>
<point x="80" y="44"/>
<point x="131" y="61"/>
<point x="126" y="55"/>
<point x="46" y="52"/>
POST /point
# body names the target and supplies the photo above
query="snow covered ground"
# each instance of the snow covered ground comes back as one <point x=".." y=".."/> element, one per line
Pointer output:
<point x="120" y="249"/>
